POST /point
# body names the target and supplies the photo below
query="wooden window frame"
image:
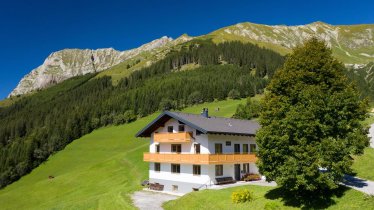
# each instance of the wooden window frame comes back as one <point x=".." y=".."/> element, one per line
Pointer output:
<point x="196" y="170"/>
<point x="219" y="169"/>
<point x="175" y="168"/>
<point x="174" y="148"/>
<point x="215" y="148"/>
<point x="157" y="167"/>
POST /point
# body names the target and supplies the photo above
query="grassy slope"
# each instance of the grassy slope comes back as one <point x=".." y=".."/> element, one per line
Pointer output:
<point x="363" y="165"/>
<point x="221" y="199"/>
<point x="97" y="171"/>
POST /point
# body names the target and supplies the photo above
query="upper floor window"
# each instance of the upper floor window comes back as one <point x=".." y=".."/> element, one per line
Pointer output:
<point x="176" y="148"/>
<point x="245" y="149"/>
<point x="181" y="128"/>
<point x="197" y="148"/>
<point x="170" y="129"/>
<point x="157" y="148"/>
<point x="253" y="148"/>
<point x="237" y="148"/>
<point x="228" y="143"/>
<point x="218" y="148"/>
<point x="175" y="168"/>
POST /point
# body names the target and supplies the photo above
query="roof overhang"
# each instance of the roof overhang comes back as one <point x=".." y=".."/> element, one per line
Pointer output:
<point x="160" y="122"/>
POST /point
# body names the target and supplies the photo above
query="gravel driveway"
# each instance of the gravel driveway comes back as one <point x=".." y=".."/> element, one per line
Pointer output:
<point x="146" y="200"/>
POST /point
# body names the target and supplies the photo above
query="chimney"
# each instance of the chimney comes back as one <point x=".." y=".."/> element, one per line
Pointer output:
<point x="204" y="113"/>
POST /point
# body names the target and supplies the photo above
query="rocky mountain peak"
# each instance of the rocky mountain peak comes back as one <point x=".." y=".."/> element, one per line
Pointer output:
<point x="67" y="63"/>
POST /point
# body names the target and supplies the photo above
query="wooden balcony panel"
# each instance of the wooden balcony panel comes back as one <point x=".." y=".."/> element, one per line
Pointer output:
<point x="200" y="158"/>
<point x="181" y="137"/>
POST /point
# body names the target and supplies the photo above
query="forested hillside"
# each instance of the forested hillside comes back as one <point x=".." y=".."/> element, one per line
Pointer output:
<point x="36" y="126"/>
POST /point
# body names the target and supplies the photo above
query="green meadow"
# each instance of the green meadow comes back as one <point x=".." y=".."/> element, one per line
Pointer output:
<point x="102" y="169"/>
<point x="98" y="171"/>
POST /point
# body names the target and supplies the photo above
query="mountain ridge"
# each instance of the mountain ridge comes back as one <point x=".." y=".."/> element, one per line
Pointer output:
<point x="67" y="63"/>
<point x="351" y="44"/>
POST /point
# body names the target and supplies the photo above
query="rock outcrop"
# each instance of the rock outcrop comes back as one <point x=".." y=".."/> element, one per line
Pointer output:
<point x="68" y="63"/>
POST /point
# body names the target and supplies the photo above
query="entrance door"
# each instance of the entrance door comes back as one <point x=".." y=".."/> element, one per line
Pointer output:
<point x="237" y="172"/>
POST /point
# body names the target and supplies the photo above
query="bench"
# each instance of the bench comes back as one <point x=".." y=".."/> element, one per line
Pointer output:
<point x="156" y="186"/>
<point x="225" y="180"/>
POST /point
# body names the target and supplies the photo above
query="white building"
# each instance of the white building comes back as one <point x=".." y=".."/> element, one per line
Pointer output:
<point x="189" y="151"/>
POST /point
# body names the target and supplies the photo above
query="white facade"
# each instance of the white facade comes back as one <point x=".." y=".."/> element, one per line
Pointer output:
<point x="185" y="180"/>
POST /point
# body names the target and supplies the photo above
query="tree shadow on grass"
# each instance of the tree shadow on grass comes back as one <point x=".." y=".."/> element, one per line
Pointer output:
<point x="321" y="200"/>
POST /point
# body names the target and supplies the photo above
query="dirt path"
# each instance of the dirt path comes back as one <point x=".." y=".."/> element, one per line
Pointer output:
<point x="145" y="200"/>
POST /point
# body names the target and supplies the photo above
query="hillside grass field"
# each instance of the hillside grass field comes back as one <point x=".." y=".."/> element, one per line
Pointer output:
<point x="102" y="169"/>
<point x="267" y="198"/>
<point x="98" y="171"/>
<point x="363" y="165"/>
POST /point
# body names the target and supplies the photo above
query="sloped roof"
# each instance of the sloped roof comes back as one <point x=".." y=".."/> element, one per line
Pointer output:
<point x="212" y="125"/>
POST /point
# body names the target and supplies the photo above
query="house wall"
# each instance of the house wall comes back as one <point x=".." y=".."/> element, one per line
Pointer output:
<point x="185" y="180"/>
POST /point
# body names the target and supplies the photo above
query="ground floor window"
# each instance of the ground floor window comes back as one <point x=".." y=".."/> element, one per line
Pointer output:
<point x="219" y="170"/>
<point x="175" y="168"/>
<point x="174" y="187"/>
<point x="246" y="168"/>
<point x="157" y="167"/>
<point x="196" y="169"/>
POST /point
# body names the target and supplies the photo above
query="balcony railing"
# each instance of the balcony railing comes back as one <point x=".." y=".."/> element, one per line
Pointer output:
<point x="200" y="158"/>
<point x="180" y="137"/>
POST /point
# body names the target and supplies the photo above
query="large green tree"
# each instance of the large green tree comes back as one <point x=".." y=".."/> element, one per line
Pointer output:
<point x="310" y="122"/>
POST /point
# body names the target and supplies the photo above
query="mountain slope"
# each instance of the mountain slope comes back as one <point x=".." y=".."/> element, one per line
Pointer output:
<point x="68" y="63"/>
<point x="97" y="171"/>
<point x="350" y="43"/>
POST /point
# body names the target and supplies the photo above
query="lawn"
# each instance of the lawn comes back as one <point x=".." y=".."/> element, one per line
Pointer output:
<point x="268" y="198"/>
<point x="363" y="165"/>
<point x="97" y="171"/>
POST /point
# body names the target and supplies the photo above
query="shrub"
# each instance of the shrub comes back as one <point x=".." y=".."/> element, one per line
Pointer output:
<point x="241" y="196"/>
<point x="129" y="116"/>
<point x="251" y="177"/>
<point x="234" y="94"/>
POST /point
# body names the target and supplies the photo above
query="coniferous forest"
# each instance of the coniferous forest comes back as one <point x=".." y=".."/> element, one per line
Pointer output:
<point x="38" y="125"/>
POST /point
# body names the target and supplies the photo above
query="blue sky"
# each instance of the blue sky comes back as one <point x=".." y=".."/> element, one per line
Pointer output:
<point x="31" y="30"/>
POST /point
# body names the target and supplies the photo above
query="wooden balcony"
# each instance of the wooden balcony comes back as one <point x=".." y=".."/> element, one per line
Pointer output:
<point x="181" y="137"/>
<point x="200" y="158"/>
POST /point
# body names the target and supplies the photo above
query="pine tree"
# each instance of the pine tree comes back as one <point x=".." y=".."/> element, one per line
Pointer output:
<point x="310" y="122"/>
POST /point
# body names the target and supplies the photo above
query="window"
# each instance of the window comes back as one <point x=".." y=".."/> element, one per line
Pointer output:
<point x="170" y="129"/>
<point x="174" y="188"/>
<point x="246" y="168"/>
<point x="175" y="168"/>
<point x="157" y="148"/>
<point x="219" y="170"/>
<point x="237" y="148"/>
<point x="245" y="149"/>
<point x="218" y="148"/>
<point x="228" y="143"/>
<point x="196" y="169"/>
<point x="253" y="148"/>
<point x="181" y="128"/>
<point x="176" y="148"/>
<point x="157" y="167"/>
<point x="197" y="148"/>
